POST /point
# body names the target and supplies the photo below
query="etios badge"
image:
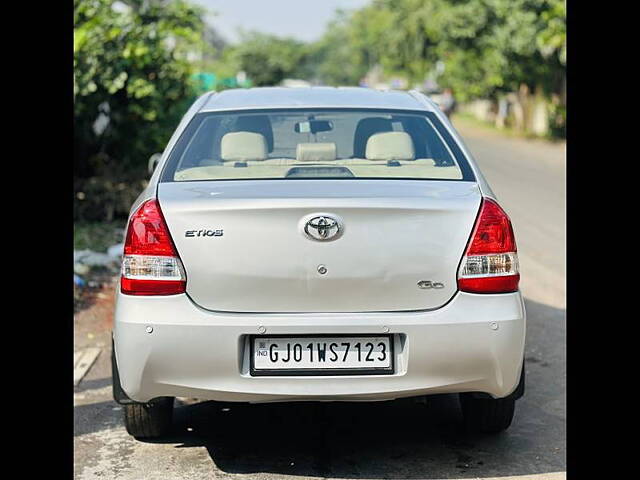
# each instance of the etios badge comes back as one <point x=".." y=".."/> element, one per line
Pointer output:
<point x="427" y="284"/>
<point x="323" y="228"/>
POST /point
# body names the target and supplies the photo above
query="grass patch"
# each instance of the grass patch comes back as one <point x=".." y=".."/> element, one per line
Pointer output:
<point x="97" y="236"/>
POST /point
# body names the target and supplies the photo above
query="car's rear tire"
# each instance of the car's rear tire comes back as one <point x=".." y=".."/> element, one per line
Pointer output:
<point x="149" y="420"/>
<point x="487" y="415"/>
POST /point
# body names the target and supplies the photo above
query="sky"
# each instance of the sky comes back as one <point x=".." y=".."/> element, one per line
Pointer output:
<point x="301" y="19"/>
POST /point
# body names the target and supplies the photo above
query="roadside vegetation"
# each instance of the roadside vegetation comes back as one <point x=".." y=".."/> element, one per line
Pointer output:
<point x="97" y="236"/>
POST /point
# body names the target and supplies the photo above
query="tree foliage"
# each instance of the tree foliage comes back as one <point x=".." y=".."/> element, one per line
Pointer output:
<point x="487" y="46"/>
<point x="132" y="63"/>
<point x="331" y="59"/>
<point x="268" y="59"/>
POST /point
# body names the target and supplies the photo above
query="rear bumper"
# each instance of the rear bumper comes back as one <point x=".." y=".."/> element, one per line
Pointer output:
<point x="473" y="344"/>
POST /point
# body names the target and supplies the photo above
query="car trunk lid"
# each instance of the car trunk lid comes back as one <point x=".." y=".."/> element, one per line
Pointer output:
<point x="244" y="248"/>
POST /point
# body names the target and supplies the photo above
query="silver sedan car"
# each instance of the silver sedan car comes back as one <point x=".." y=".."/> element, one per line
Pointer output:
<point x="317" y="244"/>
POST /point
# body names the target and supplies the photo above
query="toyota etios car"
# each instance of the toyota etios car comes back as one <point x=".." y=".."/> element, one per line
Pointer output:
<point x="317" y="244"/>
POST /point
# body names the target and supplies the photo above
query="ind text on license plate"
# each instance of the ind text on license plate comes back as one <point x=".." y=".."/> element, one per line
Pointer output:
<point x="321" y="355"/>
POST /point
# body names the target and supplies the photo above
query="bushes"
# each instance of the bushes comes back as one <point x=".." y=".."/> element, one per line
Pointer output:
<point x="132" y="64"/>
<point x="103" y="198"/>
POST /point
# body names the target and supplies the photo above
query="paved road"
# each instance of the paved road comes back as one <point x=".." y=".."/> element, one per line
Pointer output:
<point x="385" y="440"/>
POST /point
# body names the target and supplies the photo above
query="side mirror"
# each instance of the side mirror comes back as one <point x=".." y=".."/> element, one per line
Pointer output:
<point x="153" y="162"/>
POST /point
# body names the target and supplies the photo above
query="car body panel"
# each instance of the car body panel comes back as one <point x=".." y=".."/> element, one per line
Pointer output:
<point x="396" y="234"/>
<point x="321" y="97"/>
<point x="475" y="343"/>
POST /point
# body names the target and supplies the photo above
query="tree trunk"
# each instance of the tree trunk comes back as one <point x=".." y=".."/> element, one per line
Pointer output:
<point x="518" y="111"/>
<point x="539" y="112"/>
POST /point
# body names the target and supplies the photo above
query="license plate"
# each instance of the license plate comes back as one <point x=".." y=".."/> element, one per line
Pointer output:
<point x="322" y="355"/>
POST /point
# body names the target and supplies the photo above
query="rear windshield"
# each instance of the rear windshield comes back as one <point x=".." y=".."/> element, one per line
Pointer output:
<point x="315" y="143"/>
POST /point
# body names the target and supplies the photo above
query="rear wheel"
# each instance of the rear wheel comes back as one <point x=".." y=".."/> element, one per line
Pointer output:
<point x="149" y="420"/>
<point x="487" y="415"/>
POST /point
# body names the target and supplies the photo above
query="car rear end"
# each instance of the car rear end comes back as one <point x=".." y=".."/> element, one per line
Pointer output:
<point x="350" y="260"/>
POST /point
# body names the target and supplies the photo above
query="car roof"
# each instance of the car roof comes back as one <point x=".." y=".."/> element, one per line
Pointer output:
<point x="311" y="97"/>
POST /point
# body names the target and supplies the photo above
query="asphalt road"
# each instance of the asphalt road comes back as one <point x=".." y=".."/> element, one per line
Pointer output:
<point x="381" y="440"/>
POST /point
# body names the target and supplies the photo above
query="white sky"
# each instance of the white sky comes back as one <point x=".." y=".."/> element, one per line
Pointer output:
<point x="302" y="19"/>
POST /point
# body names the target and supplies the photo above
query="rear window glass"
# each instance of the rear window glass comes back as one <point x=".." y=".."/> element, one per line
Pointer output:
<point x="318" y="143"/>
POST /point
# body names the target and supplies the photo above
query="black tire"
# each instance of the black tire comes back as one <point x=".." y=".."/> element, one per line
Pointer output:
<point x="149" y="420"/>
<point x="487" y="415"/>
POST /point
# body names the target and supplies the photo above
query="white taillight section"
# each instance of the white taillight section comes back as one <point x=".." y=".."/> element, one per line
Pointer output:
<point x="150" y="264"/>
<point x="490" y="264"/>
<point x="142" y="267"/>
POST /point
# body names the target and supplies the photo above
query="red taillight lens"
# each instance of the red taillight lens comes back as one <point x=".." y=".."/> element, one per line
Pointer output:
<point x="150" y="265"/>
<point x="147" y="233"/>
<point x="490" y="264"/>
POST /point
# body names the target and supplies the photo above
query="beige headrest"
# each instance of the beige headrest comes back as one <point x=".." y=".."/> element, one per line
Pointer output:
<point x="390" y="146"/>
<point x="306" y="152"/>
<point x="242" y="146"/>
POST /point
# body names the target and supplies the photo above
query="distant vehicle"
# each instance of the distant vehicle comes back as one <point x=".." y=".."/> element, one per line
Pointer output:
<point x="317" y="244"/>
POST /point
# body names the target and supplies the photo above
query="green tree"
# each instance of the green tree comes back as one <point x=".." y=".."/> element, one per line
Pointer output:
<point x="132" y="64"/>
<point x="331" y="59"/>
<point x="552" y="39"/>
<point x="268" y="59"/>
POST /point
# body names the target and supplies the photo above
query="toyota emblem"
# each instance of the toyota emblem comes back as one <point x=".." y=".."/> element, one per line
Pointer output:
<point x="323" y="228"/>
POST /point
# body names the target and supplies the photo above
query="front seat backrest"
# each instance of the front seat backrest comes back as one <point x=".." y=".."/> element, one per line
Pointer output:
<point x="390" y="146"/>
<point x="243" y="146"/>
<point x="257" y="124"/>
<point x="365" y="128"/>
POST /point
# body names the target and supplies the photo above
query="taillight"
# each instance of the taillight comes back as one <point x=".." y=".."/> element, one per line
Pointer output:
<point x="490" y="264"/>
<point x="150" y="265"/>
